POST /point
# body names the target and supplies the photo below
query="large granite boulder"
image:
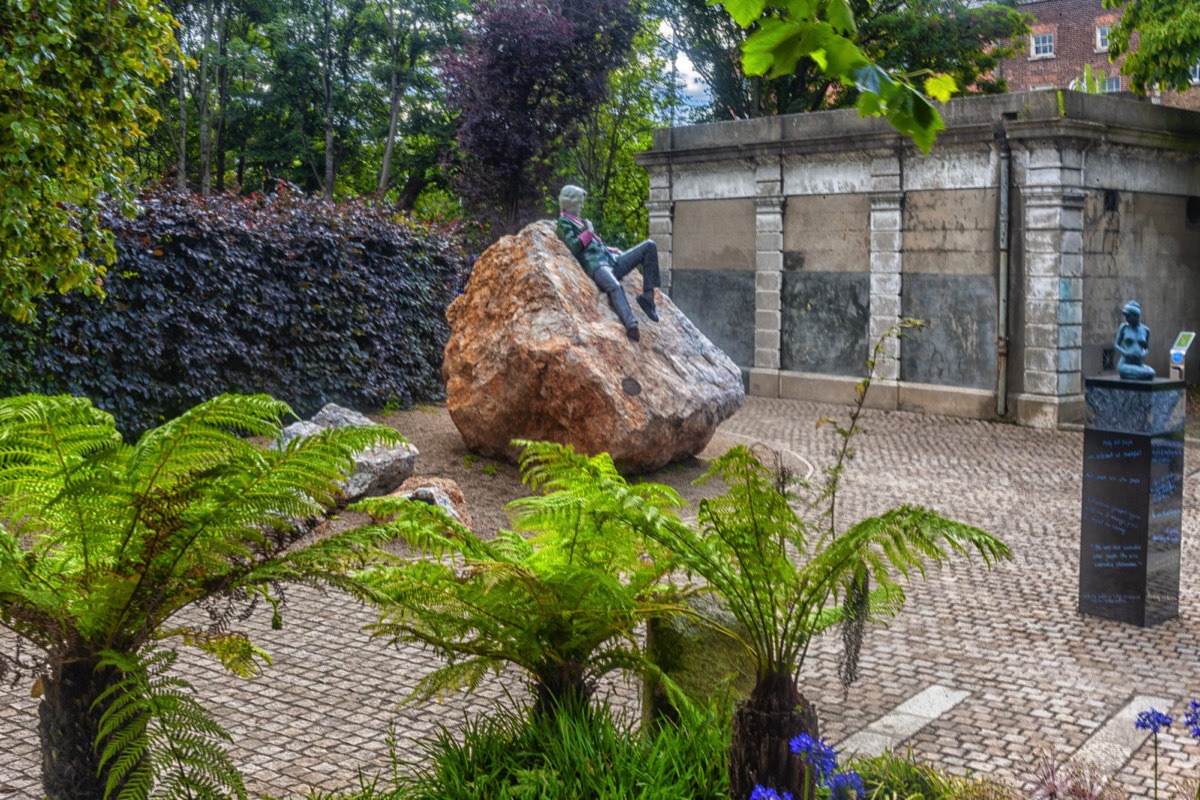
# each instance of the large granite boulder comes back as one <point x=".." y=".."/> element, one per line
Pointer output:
<point x="377" y="470"/>
<point x="536" y="352"/>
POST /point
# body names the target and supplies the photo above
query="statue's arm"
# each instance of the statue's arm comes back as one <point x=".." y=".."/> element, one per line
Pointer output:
<point x="1117" y="342"/>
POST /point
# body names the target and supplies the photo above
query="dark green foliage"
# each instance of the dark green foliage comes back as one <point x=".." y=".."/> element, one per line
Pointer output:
<point x="572" y="757"/>
<point x="285" y="295"/>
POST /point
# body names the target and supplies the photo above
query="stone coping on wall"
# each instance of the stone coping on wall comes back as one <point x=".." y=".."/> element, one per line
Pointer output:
<point x="1115" y="120"/>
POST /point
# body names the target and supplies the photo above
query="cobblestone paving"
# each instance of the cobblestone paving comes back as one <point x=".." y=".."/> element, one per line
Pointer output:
<point x="1040" y="676"/>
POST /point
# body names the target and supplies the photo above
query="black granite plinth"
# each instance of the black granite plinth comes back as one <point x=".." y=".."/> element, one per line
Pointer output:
<point x="1149" y="407"/>
<point x="1132" y="500"/>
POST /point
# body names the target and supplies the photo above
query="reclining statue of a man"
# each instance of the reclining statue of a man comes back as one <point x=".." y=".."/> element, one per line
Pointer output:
<point x="606" y="265"/>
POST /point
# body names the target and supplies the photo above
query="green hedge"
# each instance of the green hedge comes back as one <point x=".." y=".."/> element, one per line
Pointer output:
<point x="287" y="295"/>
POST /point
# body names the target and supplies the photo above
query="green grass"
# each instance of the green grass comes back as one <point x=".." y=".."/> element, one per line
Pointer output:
<point x="567" y="757"/>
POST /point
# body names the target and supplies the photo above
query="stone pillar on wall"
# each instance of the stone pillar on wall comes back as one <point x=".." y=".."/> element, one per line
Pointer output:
<point x="768" y="278"/>
<point x="661" y="211"/>
<point x="1052" y="283"/>
<point x="887" y="238"/>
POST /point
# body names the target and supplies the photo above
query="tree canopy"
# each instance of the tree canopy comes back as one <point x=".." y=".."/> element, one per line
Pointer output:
<point x="1167" y="42"/>
<point x="915" y="37"/>
<point x="76" y="81"/>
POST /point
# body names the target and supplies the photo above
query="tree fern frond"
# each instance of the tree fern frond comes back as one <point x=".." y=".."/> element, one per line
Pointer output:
<point x="233" y="649"/>
<point x="152" y="731"/>
<point x="455" y="676"/>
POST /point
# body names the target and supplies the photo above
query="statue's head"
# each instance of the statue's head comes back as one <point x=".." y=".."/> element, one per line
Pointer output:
<point x="1132" y="311"/>
<point x="570" y="199"/>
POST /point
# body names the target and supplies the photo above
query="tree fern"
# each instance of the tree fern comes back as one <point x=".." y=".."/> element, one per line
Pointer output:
<point x="787" y="578"/>
<point x="559" y="597"/>
<point x="103" y="542"/>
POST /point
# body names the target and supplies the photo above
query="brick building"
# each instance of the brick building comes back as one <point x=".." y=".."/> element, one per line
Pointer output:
<point x="1066" y="35"/>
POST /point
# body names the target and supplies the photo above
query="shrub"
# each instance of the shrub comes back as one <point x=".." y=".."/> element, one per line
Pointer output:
<point x="286" y="295"/>
<point x="575" y="757"/>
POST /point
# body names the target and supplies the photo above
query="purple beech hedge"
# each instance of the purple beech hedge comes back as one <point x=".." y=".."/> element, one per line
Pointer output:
<point x="305" y="300"/>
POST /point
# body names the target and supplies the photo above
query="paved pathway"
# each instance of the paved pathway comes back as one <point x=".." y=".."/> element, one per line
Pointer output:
<point x="980" y="672"/>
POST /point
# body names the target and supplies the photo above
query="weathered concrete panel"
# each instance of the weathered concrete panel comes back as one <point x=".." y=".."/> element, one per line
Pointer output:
<point x="714" y="234"/>
<point x="714" y="181"/>
<point x="1145" y="250"/>
<point x="948" y="166"/>
<point x="950" y="231"/>
<point x="825" y="319"/>
<point x="842" y="173"/>
<point x="827" y="233"/>
<point x="957" y="347"/>
<point x="721" y="304"/>
<point x="1137" y="170"/>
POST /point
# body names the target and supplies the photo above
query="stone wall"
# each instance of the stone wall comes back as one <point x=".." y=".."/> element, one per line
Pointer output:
<point x="795" y="242"/>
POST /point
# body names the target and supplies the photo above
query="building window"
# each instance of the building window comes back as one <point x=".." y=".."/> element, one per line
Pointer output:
<point x="1102" y="32"/>
<point x="1041" y="87"/>
<point x="1112" y="84"/>
<point x="1195" y="71"/>
<point x="1043" y="45"/>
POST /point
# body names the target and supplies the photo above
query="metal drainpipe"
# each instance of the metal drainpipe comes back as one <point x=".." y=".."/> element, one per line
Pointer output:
<point x="1003" y="216"/>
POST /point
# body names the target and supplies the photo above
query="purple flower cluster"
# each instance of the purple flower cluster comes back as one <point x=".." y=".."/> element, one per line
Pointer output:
<point x="1153" y="721"/>
<point x="818" y="754"/>
<point x="846" y="786"/>
<point x="1191" y="718"/>
<point x="763" y="793"/>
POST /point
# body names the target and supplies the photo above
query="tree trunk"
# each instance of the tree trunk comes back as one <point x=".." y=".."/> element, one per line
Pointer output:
<point x="181" y="144"/>
<point x="67" y="728"/>
<point x="763" y="728"/>
<point x="562" y="687"/>
<point x="204" y="101"/>
<point x="222" y="98"/>
<point x="385" y="170"/>
<point x="327" y="52"/>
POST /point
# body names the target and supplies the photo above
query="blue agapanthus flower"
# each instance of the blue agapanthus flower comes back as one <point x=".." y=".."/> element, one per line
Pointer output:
<point x="1191" y="718"/>
<point x="763" y="793"/>
<point x="818" y="754"/>
<point x="1153" y="721"/>
<point x="846" y="786"/>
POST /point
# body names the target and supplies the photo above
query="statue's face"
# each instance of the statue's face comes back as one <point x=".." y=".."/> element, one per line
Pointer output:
<point x="572" y="206"/>
<point x="1132" y="317"/>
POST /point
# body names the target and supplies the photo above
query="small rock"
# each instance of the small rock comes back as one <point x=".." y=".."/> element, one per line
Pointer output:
<point x="377" y="470"/>
<point x="441" y="492"/>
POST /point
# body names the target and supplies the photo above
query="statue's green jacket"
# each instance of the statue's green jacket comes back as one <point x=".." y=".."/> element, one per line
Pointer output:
<point x="589" y="250"/>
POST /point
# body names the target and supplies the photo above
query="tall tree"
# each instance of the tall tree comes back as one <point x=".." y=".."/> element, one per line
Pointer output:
<point x="528" y="75"/>
<point x="76" y="79"/>
<point x="411" y="31"/>
<point x="1168" y="42"/>
<point x="602" y="160"/>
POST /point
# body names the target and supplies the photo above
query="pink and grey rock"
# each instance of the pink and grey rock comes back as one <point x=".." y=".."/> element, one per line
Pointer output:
<point x="536" y="352"/>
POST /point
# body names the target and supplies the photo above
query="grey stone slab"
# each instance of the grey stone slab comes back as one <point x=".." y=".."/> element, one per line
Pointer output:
<point x="1111" y="747"/>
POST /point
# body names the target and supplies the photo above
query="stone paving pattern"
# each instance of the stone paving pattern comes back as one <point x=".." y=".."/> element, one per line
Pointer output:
<point x="1040" y="676"/>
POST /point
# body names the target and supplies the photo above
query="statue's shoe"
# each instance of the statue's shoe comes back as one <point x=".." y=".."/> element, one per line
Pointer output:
<point x="648" y="307"/>
<point x="633" y="333"/>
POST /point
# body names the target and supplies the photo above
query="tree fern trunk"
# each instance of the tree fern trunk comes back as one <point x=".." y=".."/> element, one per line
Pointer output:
<point x="67" y="727"/>
<point x="562" y="687"/>
<point x="763" y="728"/>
